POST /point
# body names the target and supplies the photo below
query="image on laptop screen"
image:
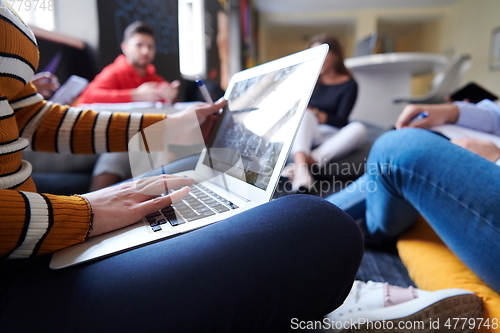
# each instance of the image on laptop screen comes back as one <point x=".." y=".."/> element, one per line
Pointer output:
<point x="258" y="112"/>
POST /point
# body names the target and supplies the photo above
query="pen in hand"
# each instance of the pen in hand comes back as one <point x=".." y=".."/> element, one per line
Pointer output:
<point x="204" y="90"/>
<point x="421" y="115"/>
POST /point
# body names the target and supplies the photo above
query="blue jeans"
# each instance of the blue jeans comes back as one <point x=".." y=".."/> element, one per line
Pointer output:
<point x="414" y="171"/>
<point x="253" y="272"/>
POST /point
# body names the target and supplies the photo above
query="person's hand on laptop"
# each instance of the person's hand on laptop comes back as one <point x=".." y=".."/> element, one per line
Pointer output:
<point x="124" y="204"/>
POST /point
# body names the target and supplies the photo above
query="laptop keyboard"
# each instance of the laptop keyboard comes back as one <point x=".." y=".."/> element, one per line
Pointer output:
<point x="199" y="203"/>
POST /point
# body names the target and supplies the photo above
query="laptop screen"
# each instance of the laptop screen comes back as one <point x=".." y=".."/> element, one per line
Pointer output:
<point x="256" y="123"/>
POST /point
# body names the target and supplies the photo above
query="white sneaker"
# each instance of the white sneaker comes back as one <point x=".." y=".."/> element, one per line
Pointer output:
<point x="380" y="307"/>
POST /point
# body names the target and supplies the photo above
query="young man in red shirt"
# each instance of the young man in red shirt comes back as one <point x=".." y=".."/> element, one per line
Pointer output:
<point x="132" y="76"/>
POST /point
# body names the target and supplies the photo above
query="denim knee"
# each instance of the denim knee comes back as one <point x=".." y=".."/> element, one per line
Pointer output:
<point x="408" y="145"/>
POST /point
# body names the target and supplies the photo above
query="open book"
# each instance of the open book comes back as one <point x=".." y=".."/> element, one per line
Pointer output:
<point x="456" y="132"/>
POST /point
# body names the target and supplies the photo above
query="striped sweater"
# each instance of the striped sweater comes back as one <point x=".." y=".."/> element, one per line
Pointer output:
<point x="32" y="223"/>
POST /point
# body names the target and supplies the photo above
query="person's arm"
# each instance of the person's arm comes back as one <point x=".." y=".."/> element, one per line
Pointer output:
<point x="33" y="224"/>
<point x="56" y="128"/>
<point x="115" y="84"/>
<point x="112" y="87"/>
<point x="437" y="114"/>
<point x="484" y="116"/>
<point x="345" y="105"/>
<point x="485" y="149"/>
<point x="103" y="89"/>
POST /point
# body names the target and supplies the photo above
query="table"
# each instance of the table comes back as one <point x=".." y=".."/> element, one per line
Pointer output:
<point x="383" y="76"/>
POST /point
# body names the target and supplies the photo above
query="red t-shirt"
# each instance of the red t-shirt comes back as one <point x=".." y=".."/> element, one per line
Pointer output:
<point x="115" y="82"/>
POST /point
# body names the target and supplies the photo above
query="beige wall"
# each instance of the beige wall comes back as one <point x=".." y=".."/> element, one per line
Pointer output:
<point x="78" y="19"/>
<point x="464" y="27"/>
<point x="413" y="36"/>
<point x="281" y="31"/>
<point x="468" y="30"/>
<point x="281" y="40"/>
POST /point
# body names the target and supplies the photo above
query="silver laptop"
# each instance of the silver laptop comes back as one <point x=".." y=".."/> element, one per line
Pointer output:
<point x="240" y="167"/>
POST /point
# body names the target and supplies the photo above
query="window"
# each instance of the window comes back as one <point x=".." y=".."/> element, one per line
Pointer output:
<point x="38" y="13"/>
<point x="192" y="54"/>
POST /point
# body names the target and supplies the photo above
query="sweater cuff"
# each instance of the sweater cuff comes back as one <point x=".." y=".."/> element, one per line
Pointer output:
<point x="35" y="224"/>
<point x="72" y="218"/>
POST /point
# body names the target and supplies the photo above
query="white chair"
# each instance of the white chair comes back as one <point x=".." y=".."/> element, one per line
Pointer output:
<point x="443" y="83"/>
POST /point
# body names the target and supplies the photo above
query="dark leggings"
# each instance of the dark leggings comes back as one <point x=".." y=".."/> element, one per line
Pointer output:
<point x="294" y="257"/>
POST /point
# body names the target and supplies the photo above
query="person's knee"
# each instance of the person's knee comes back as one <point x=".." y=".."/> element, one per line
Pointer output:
<point x="357" y="127"/>
<point x="320" y="209"/>
<point x="397" y="139"/>
<point x="327" y="222"/>
<point x="359" y="132"/>
<point x="400" y="146"/>
<point x="329" y="248"/>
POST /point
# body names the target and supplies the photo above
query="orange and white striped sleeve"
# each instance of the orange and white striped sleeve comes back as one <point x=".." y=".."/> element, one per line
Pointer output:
<point x="34" y="224"/>
<point x="56" y="128"/>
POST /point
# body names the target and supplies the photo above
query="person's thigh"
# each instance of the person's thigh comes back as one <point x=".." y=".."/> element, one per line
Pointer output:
<point x="456" y="191"/>
<point x="352" y="198"/>
<point x="294" y="257"/>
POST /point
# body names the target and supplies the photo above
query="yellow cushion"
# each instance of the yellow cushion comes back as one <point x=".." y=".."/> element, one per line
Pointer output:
<point x="432" y="266"/>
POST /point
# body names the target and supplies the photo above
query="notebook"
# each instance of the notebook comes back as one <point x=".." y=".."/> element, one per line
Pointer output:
<point x="241" y="165"/>
<point x="452" y="131"/>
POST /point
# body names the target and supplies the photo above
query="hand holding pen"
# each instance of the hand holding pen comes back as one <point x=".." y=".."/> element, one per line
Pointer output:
<point x="206" y="94"/>
<point x="204" y="90"/>
<point x="427" y="115"/>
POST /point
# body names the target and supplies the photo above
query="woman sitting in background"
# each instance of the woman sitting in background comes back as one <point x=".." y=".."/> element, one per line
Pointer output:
<point x="325" y="122"/>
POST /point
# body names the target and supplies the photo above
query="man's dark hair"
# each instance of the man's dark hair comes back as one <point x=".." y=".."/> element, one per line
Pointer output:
<point x="138" y="27"/>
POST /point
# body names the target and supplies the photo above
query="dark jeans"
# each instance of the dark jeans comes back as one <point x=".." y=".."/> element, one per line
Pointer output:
<point x="294" y="257"/>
